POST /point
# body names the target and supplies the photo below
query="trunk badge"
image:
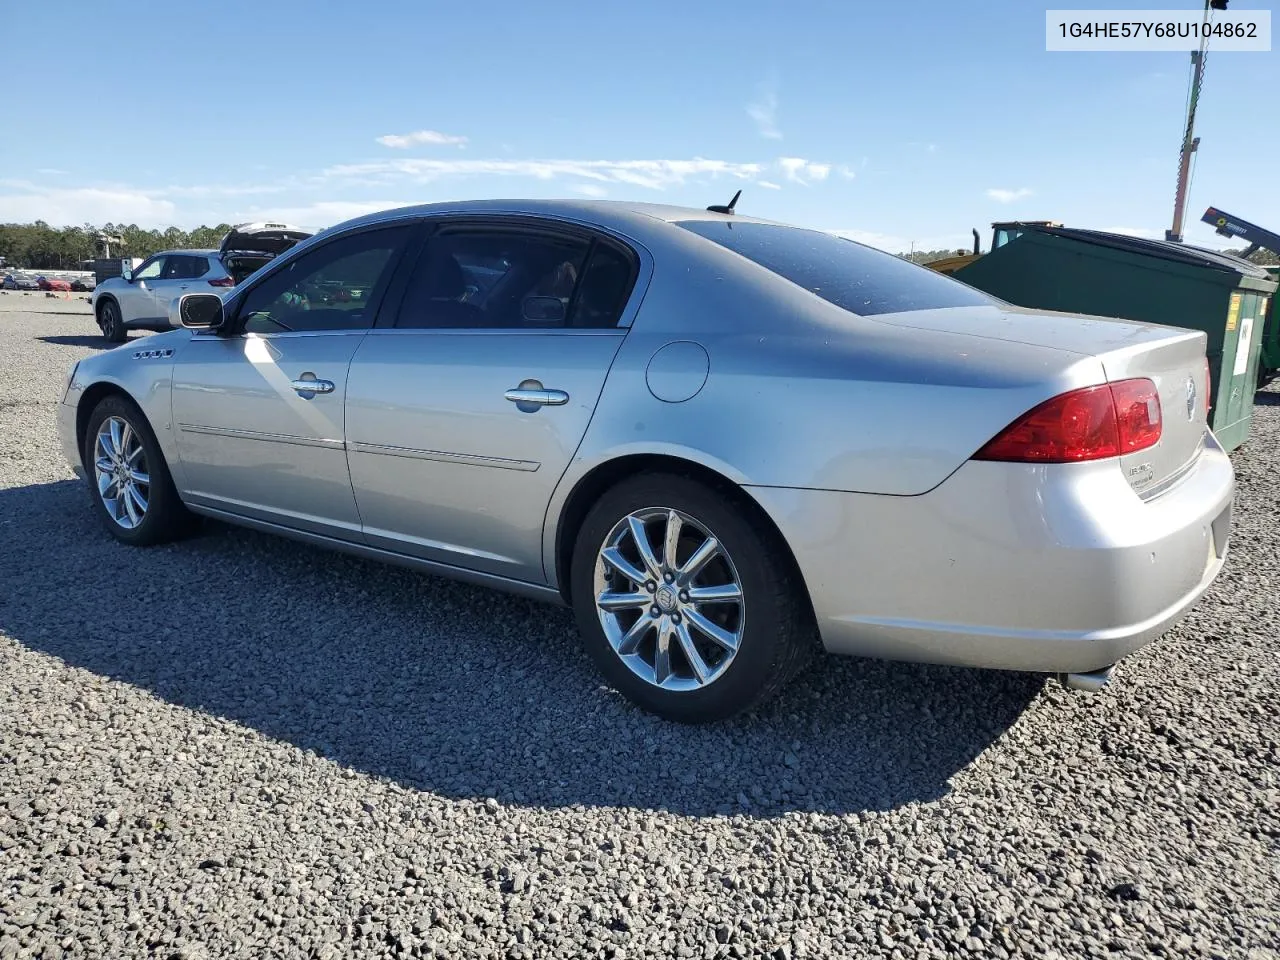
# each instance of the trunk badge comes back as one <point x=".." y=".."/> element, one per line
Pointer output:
<point x="1191" y="398"/>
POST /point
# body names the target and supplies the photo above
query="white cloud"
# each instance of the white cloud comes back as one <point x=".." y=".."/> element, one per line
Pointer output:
<point x="803" y="171"/>
<point x="1001" y="195"/>
<point x="764" y="111"/>
<point x="68" y="207"/>
<point x="847" y="171"/>
<point x="435" y="138"/>
<point x="768" y="185"/>
<point x="651" y="174"/>
<point x="591" y="190"/>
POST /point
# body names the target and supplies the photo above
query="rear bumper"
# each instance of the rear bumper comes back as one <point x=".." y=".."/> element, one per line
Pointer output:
<point x="1054" y="568"/>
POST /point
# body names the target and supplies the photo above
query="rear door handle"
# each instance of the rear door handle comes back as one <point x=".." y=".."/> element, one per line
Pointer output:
<point x="543" y="398"/>
<point x="308" y="384"/>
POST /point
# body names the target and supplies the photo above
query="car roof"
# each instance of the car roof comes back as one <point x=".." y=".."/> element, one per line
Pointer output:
<point x="618" y="215"/>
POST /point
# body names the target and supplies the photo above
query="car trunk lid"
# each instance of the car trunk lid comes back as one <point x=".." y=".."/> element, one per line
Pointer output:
<point x="267" y="238"/>
<point x="1173" y="358"/>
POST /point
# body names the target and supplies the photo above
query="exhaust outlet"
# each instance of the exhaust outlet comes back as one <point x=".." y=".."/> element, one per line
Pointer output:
<point x="1091" y="682"/>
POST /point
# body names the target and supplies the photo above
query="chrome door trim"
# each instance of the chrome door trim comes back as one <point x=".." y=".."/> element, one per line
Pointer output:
<point x="534" y="591"/>
<point x="444" y="456"/>
<point x="498" y="332"/>
<point x="258" y="435"/>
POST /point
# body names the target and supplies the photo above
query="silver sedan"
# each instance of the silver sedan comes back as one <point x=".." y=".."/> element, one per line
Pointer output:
<point x="726" y="443"/>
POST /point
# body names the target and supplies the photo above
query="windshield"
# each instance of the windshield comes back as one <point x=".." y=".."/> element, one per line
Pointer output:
<point x="857" y="278"/>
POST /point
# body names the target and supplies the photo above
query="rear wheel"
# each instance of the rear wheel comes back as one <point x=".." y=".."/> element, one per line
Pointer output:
<point x="133" y="492"/>
<point x="111" y="322"/>
<point x="689" y="610"/>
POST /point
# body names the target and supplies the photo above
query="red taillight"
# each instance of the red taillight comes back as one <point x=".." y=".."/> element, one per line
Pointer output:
<point x="222" y="282"/>
<point x="1086" y="424"/>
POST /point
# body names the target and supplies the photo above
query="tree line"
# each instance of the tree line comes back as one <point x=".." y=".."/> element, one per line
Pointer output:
<point x="38" y="246"/>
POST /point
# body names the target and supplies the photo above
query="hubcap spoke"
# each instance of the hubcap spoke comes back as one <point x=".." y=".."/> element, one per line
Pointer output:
<point x="135" y="496"/>
<point x="672" y="539"/>
<point x="722" y="593"/>
<point x="623" y="601"/>
<point x="645" y="549"/>
<point x="701" y="557"/>
<point x="614" y="558"/>
<point x="139" y="477"/>
<point x="712" y="632"/>
<point x="117" y="443"/>
<point x="631" y="639"/>
<point x="662" y="653"/>
<point x="130" y="508"/>
<point x="696" y="663"/>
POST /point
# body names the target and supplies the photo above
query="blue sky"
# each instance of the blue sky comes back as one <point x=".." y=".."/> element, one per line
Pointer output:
<point x="893" y="123"/>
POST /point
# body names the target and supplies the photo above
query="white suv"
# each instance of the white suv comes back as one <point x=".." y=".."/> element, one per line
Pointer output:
<point x="141" y="299"/>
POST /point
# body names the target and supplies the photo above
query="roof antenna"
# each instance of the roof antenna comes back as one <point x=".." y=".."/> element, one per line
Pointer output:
<point x="716" y="208"/>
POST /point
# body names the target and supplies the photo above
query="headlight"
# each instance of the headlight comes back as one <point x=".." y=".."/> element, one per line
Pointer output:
<point x="71" y="375"/>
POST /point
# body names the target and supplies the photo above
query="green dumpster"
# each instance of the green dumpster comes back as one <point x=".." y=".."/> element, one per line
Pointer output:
<point x="1154" y="281"/>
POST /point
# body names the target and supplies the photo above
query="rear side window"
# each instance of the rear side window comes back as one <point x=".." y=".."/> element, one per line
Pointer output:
<point x="857" y="278"/>
<point x="199" y="267"/>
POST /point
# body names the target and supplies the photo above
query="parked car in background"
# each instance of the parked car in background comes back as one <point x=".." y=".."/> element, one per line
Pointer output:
<point x="83" y="284"/>
<point x="17" y="281"/>
<point x="141" y="299"/>
<point x="720" y="440"/>
<point x="54" y="284"/>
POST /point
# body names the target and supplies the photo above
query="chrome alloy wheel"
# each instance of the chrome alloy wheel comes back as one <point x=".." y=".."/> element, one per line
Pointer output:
<point x="120" y="469"/>
<point x="673" y="615"/>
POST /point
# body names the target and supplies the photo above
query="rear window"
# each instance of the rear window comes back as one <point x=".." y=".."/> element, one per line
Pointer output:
<point x="859" y="279"/>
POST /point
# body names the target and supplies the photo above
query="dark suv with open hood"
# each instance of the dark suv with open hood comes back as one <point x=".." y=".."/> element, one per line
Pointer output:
<point x="140" y="299"/>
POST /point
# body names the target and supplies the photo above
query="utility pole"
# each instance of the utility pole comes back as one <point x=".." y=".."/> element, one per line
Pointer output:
<point x="1190" y="142"/>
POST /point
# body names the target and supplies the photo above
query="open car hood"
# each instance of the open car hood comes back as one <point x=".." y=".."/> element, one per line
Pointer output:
<point x="272" y="239"/>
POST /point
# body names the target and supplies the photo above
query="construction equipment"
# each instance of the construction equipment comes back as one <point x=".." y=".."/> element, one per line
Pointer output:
<point x="1258" y="239"/>
<point x="1001" y="233"/>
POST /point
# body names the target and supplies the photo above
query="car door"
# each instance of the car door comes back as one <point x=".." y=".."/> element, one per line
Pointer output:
<point x="173" y="282"/>
<point x="464" y="413"/>
<point x="136" y="298"/>
<point x="258" y="414"/>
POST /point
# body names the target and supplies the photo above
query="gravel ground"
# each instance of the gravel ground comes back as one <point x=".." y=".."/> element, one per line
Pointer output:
<point x="240" y="747"/>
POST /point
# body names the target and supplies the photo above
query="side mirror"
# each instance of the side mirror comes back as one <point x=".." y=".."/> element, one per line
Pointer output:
<point x="126" y="274"/>
<point x="200" y="311"/>
<point x="543" y="310"/>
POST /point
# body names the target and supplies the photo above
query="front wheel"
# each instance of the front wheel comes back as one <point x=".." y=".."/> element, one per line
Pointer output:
<point x="689" y="609"/>
<point x="112" y="323"/>
<point x="132" y="489"/>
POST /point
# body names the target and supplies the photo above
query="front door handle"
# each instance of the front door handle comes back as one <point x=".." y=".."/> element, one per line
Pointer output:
<point x="539" y="397"/>
<point x="308" y="384"/>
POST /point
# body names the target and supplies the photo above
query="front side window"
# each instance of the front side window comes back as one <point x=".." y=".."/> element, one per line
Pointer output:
<point x="330" y="287"/>
<point x="152" y="270"/>
<point x="491" y="278"/>
<point x="860" y="279"/>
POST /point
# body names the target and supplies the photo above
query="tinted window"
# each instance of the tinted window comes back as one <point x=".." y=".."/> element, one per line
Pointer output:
<point x="331" y="287"/>
<point x="492" y="278"/>
<point x="858" y="278"/>
<point x="605" y="286"/>
<point x="197" y="267"/>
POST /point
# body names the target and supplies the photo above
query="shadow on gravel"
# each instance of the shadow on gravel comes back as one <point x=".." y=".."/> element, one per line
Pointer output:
<point x="1267" y="398"/>
<point x="463" y="691"/>
<point x="97" y="342"/>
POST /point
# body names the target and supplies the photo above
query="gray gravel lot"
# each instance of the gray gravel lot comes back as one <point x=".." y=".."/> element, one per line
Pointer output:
<point x="241" y="747"/>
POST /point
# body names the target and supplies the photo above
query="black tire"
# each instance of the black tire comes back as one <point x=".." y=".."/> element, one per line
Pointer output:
<point x="778" y="634"/>
<point x="165" y="518"/>
<point x="111" y="323"/>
